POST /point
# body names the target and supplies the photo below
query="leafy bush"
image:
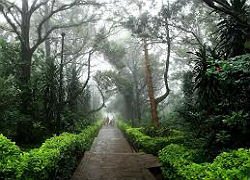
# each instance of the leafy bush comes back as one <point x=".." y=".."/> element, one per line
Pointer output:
<point x="41" y="163"/>
<point x="173" y="158"/>
<point x="57" y="157"/>
<point x="218" y="110"/>
<point x="143" y="142"/>
<point x="9" y="115"/>
<point x="156" y="132"/>
<point x="232" y="165"/>
<point x="178" y="163"/>
<point x="9" y="155"/>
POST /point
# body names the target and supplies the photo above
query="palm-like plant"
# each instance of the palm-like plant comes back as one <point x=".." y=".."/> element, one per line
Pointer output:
<point x="205" y="86"/>
<point x="234" y="26"/>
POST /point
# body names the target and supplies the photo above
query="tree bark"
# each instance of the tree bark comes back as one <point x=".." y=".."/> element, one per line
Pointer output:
<point x="165" y="95"/>
<point x="61" y="91"/>
<point x="47" y="41"/>
<point x="149" y="82"/>
<point x="50" y="92"/>
<point x="25" y="62"/>
<point x="137" y="102"/>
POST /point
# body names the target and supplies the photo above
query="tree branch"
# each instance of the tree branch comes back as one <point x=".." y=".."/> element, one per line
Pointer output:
<point x="101" y="106"/>
<point x="53" y="12"/>
<point x="36" y="6"/>
<point x="165" y="95"/>
<point x="88" y="77"/>
<point x="188" y="31"/>
<point x="8" y="4"/>
<point x="12" y="24"/>
<point x="87" y="80"/>
<point x="6" y="28"/>
<point x="14" y="18"/>
<point x="41" y="39"/>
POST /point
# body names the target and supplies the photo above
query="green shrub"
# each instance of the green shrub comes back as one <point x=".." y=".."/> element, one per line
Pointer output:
<point x="153" y="131"/>
<point x="9" y="155"/>
<point x="56" y="158"/>
<point x="8" y="148"/>
<point x="39" y="164"/>
<point x="173" y="157"/>
<point x="177" y="162"/>
<point x="44" y="162"/>
<point x="145" y="143"/>
<point x="232" y="165"/>
<point x="123" y="126"/>
<point x="86" y="137"/>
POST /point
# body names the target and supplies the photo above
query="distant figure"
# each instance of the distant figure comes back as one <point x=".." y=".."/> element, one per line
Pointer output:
<point x="106" y="123"/>
<point x="113" y="122"/>
<point x="110" y="122"/>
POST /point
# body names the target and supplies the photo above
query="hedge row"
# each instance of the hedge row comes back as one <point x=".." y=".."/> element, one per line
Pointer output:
<point x="145" y="143"/>
<point x="57" y="157"/>
<point x="178" y="162"/>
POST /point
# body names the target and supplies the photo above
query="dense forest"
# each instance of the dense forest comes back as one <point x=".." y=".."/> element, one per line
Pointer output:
<point x="175" y="74"/>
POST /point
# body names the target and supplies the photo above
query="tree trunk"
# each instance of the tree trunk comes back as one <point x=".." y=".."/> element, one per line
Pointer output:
<point x="61" y="91"/>
<point x="137" y="104"/>
<point x="149" y="82"/>
<point x="24" y="126"/>
<point x="24" y="80"/>
<point x="50" y="92"/>
<point x="25" y="62"/>
<point x="165" y="95"/>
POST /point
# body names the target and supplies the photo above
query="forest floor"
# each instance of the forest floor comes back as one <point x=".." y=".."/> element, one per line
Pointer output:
<point x="112" y="158"/>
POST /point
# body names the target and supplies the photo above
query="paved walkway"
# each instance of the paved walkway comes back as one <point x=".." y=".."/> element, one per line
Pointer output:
<point x="112" y="158"/>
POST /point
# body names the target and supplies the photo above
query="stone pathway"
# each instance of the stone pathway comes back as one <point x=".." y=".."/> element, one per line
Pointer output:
<point x="112" y="158"/>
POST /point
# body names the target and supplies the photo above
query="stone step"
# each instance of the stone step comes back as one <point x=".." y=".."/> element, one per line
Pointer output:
<point x="112" y="158"/>
<point x="145" y="160"/>
<point x="113" y="166"/>
<point x="149" y="161"/>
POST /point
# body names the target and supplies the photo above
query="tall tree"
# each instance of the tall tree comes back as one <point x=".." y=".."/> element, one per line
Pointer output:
<point x="145" y="28"/>
<point x="19" y="20"/>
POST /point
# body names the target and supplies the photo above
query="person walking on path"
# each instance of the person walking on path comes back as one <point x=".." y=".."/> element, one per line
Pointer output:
<point x="106" y="122"/>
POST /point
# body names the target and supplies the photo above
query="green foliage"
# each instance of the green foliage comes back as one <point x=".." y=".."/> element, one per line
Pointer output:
<point x="9" y="114"/>
<point x="8" y="88"/>
<point x="218" y="110"/>
<point x="114" y="53"/>
<point x="178" y="163"/>
<point x="9" y="156"/>
<point x="217" y="95"/>
<point x="8" y="92"/>
<point x="232" y="31"/>
<point x="145" y="143"/>
<point x="49" y="89"/>
<point x="235" y="119"/>
<point x="156" y="132"/>
<point x="9" y="56"/>
<point x="39" y="122"/>
<point x="173" y="119"/>
<point x="56" y="157"/>
<point x="173" y="158"/>
<point x="224" y="69"/>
